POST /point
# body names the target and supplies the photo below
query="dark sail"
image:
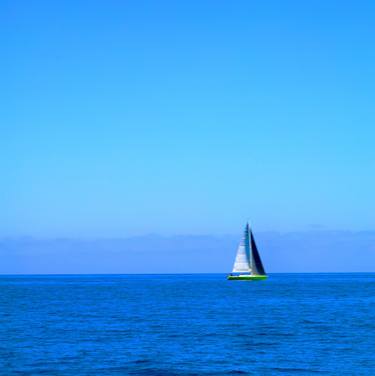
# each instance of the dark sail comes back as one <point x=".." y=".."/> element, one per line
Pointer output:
<point x="257" y="266"/>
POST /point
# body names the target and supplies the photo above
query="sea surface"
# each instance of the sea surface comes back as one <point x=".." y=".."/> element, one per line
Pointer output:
<point x="291" y="324"/>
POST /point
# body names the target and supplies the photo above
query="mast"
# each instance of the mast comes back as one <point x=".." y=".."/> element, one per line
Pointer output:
<point x="248" y="246"/>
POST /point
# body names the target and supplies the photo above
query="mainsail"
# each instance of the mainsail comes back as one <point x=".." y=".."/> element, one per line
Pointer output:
<point x="242" y="263"/>
<point x="248" y="259"/>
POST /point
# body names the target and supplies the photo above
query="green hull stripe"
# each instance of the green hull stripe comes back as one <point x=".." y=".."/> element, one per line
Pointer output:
<point x="246" y="277"/>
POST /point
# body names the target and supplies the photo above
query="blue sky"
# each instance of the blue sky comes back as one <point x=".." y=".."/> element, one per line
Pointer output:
<point x="125" y="118"/>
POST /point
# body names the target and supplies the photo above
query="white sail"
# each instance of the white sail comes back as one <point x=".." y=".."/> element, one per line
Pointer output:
<point x="242" y="263"/>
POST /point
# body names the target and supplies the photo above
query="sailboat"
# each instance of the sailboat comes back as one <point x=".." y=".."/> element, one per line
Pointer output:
<point x="248" y="264"/>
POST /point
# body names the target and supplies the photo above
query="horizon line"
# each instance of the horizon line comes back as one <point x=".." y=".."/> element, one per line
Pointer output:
<point x="188" y="273"/>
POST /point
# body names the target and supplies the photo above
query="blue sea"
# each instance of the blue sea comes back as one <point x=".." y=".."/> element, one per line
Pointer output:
<point x="291" y="324"/>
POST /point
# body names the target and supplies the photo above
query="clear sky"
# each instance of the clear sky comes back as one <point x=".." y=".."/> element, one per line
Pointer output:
<point x="177" y="117"/>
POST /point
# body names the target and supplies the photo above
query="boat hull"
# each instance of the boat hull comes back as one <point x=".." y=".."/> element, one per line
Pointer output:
<point x="247" y="277"/>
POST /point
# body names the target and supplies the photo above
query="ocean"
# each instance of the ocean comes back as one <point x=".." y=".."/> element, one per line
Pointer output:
<point x="202" y="324"/>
